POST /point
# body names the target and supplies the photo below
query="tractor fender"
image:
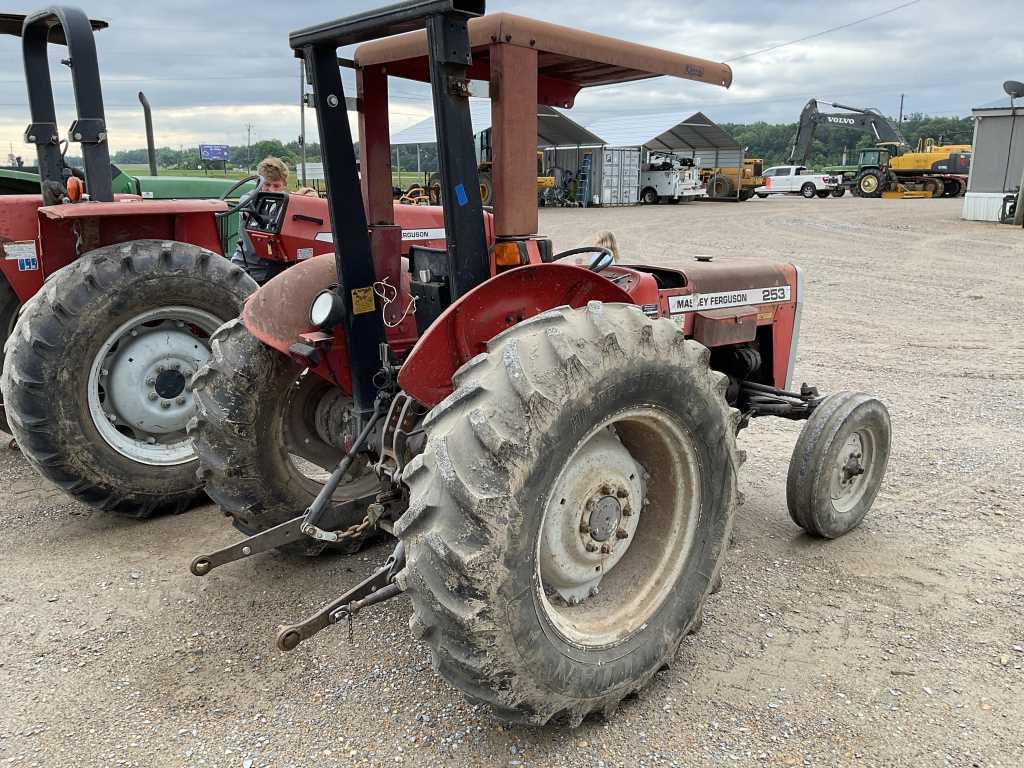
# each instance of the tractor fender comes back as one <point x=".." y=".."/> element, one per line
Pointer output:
<point x="278" y="314"/>
<point x="464" y="329"/>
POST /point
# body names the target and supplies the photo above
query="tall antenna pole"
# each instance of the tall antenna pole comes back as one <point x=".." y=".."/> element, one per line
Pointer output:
<point x="248" y="146"/>
<point x="901" y="110"/>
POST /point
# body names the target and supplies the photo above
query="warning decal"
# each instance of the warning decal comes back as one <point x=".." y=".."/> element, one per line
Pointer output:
<point x="362" y="301"/>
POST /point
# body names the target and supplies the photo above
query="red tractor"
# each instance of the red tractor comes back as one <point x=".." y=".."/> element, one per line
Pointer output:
<point x="553" y="445"/>
<point x="108" y="302"/>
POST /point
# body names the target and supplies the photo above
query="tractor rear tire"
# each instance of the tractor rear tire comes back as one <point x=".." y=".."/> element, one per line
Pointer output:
<point x="248" y="398"/>
<point x="9" y="306"/>
<point x="73" y="380"/>
<point x="720" y="186"/>
<point x="486" y="188"/>
<point x="434" y="188"/>
<point x="870" y="183"/>
<point x="838" y="464"/>
<point x="506" y="475"/>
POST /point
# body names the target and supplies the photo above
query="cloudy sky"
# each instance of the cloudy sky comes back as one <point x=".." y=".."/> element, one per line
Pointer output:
<point x="210" y="70"/>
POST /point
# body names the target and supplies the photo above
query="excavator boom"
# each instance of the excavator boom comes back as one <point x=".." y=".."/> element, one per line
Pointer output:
<point x="867" y="120"/>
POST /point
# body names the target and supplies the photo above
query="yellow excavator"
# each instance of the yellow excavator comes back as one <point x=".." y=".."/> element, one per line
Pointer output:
<point x="893" y="167"/>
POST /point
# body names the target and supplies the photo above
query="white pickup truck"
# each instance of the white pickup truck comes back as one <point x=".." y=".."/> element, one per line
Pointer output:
<point x="798" y="179"/>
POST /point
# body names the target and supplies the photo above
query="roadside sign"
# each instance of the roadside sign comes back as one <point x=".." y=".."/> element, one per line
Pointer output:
<point x="314" y="171"/>
<point x="210" y="152"/>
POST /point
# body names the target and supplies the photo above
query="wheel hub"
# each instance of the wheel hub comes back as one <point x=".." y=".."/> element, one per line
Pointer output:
<point x="604" y="517"/>
<point x="170" y="384"/>
<point x="592" y="515"/>
<point x="850" y="470"/>
<point x="139" y="395"/>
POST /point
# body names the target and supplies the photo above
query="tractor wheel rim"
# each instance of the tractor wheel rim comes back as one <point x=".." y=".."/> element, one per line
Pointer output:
<point x="614" y="537"/>
<point x="853" y="471"/>
<point x="869" y="184"/>
<point x="140" y="397"/>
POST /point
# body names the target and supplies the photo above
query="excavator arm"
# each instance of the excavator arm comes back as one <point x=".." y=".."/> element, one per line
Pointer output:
<point x="868" y="120"/>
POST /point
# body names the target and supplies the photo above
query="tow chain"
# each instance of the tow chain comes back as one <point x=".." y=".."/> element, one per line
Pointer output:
<point x="373" y="514"/>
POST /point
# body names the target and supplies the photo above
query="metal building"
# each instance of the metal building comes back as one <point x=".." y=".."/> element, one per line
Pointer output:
<point x="998" y="161"/>
<point x="634" y="136"/>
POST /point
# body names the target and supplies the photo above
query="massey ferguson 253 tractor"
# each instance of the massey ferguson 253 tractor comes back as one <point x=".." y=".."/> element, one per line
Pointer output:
<point x="115" y="298"/>
<point x="553" y="445"/>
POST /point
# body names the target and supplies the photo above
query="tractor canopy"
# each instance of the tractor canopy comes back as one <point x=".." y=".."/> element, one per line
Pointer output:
<point x="526" y="62"/>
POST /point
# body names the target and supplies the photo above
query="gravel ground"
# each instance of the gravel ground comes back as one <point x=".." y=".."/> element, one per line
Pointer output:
<point x="901" y="644"/>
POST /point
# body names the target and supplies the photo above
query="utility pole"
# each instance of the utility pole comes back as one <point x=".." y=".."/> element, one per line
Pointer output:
<point x="248" y="146"/>
<point x="901" y="110"/>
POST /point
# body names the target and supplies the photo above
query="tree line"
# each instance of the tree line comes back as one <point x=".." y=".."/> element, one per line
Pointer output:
<point x="768" y="141"/>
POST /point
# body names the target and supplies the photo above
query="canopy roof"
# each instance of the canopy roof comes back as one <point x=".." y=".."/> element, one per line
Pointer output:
<point x="663" y="131"/>
<point x="554" y="129"/>
<point x="568" y="59"/>
<point x="11" y="24"/>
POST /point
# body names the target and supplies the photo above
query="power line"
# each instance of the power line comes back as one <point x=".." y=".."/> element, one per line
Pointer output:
<point x="826" y="31"/>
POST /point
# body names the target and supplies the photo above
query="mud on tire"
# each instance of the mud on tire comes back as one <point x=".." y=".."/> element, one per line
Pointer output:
<point x="242" y="398"/>
<point x="499" y="445"/>
<point x="55" y="343"/>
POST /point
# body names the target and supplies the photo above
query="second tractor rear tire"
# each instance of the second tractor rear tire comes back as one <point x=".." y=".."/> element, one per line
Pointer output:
<point x="870" y="183"/>
<point x="9" y="306"/>
<point x="563" y="459"/>
<point x="95" y="380"/>
<point x="251" y="401"/>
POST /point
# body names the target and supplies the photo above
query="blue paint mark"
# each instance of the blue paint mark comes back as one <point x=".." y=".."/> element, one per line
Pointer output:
<point x="460" y="194"/>
<point x="28" y="265"/>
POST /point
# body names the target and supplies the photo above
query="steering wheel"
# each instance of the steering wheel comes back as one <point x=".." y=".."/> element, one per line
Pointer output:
<point x="603" y="259"/>
<point x="246" y="203"/>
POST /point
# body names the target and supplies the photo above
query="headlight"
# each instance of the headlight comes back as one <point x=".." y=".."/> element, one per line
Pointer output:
<point x="327" y="310"/>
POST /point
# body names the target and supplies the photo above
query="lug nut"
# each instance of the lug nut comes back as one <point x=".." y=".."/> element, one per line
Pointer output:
<point x="621" y="534"/>
<point x="591" y="546"/>
<point x="627" y="510"/>
<point x="111" y="418"/>
<point x="622" y="493"/>
<point x="160" y="369"/>
<point x="605" y="549"/>
<point x="180" y="401"/>
<point x="594" y="591"/>
<point x="176" y="367"/>
<point x="104" y="372"/>
<point x="606" y="489"/>
<point x="150" y="441"/>
<point x="165" y="403"/>
<point x="152" y="395"/>
<point x="134" y="332"/>
<point x="584" y="528"/>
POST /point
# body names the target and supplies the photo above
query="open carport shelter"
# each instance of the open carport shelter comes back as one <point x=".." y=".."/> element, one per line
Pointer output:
<point x="697" y="136"/>
<point x="555" y="132"/>
<point x="998" y="161"/>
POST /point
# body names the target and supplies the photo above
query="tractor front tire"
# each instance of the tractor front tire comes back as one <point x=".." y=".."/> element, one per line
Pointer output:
<point x="95" y="381"/>
<point x="9" y="306"/>
<point x="838" y="192"/>
<point x="570" y="512"/>
<point x="253" y="405"/>
<point x="838" y="464"/>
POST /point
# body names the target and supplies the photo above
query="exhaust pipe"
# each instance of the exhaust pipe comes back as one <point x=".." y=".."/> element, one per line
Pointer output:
<point x="150" y="144"/>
